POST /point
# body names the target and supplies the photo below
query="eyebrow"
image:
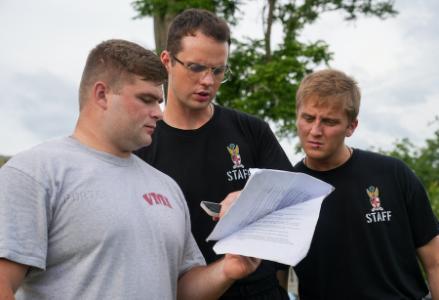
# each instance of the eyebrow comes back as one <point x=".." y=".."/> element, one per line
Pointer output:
<point x="331" y="119"/>
<point x="149" y="95"/>
<point x="304" y="114"/>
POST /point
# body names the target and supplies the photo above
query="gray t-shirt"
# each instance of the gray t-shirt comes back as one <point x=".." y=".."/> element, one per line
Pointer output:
<point x="93" y="226"/>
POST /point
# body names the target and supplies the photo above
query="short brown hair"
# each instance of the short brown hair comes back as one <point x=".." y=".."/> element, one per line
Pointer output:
<point x="192" y="20"/>
<point x="115" y="61"/>
<point x="331" y="85"/>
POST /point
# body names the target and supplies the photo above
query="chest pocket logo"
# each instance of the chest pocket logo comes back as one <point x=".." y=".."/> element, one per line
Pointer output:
<point x="377" y="214"/>
<point x="235" y="156"/>
<point x="238" y="172"/>
<point x="374" y="198"/>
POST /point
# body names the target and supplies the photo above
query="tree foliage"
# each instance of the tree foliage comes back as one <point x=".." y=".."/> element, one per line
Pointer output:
<point x="164" y="11"/>
<point x="3" y="160"/>
<point x="265" y="78"/>
<point x="424" y="161"/>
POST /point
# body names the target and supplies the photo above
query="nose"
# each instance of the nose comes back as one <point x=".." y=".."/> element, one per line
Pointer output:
<point x="207" y="78"/>
<point x="157" y="112"/>
<point x="316" y="129"/>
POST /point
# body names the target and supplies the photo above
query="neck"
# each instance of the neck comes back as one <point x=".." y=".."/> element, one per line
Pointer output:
<point x="328" y="164"/>
<point x="91" y="138"/>
<point x="181" y="117"/>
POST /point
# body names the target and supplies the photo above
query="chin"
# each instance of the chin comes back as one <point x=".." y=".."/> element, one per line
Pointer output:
<point x="146" y="144"/>
<point x="315" y="156"/>
<point x="143" y="143"/>
<point x="310" y="153"/>
<point x="202" y="104"/>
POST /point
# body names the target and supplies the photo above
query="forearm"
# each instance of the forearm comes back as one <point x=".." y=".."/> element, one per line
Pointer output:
<point x="204" y="283"/>
<point x="433" y="282"/>
<point x="11" y="276"/>
<point x="429" y="256"/>
<point x="6" y="291"/>
<point x="212" y="281"/>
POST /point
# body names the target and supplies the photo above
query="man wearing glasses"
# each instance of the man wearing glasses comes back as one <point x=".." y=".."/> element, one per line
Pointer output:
<point x="206" y="148"/>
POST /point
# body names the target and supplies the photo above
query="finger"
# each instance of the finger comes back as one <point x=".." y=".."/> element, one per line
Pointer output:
<point x="228" y="202"/>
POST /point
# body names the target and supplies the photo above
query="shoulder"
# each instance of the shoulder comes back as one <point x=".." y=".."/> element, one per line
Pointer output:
<point x="300" y="166"/>
<point x="377" y="163"/>
<point x="35" y="165"/>
<point x="37" y="155"/>
<point x="239" y="115"/>
<point x="248" y="125"/>
<point x="156" y="174"/>
<point x="150" y="169"/>
<point x="378" y="159"/>
<point x="163" y="182"/>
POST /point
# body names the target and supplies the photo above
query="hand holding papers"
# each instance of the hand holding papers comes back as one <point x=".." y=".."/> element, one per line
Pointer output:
<point x="273" y="218"/>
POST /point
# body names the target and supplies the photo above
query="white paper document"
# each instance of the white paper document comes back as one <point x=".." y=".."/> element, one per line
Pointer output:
<point x="274" y="217"/>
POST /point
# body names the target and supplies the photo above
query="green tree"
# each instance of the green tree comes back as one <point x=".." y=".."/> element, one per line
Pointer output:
<point x="265" y="78"/>
<point x="163" y="12"/>
<point x="3" y="160"/>
<point x="424" y="161"/>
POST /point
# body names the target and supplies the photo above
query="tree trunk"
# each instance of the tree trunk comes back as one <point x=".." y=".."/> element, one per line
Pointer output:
<point x="161" y="25"/>
<point x="269" y="25"/>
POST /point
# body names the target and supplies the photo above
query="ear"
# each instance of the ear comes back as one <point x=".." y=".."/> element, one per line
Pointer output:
<point x="351" y="128"/>
<point x="165" y="57"/>
<point x="100" y="91"/>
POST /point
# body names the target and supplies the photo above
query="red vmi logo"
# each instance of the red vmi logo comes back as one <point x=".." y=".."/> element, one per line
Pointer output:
<point x="155" y="198"/>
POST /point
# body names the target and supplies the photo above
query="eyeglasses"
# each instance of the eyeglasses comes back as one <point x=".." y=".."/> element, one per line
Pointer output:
<point x="221" y="73"/>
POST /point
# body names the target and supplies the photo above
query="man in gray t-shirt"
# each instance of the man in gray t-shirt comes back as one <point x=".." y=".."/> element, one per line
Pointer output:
<point x="83" y="218"/>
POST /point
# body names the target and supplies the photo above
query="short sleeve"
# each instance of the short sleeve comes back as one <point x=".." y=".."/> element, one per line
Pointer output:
<point x="192" y="256"/>
<point x="424" y="223"/>
<point x="23" y="218"/>
<point x="270" y="152"/>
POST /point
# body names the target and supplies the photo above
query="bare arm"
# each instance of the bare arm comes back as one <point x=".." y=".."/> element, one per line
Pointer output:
<point x="429" y="256"/>
<point x="210" y="282"/>
<point x="11" y="276"/>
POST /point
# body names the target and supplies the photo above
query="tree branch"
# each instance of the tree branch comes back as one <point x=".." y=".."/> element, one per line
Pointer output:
<point x="269" y="25"/>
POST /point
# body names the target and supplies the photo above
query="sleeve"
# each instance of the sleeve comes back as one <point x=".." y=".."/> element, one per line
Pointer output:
<point x="270" y="154"/>
<point x="23" y="218"/>
<point x="192" y="256"/>
<point x="424" y="224"/>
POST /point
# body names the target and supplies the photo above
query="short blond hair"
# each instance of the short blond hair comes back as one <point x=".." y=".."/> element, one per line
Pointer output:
<point x="331" y="86"/>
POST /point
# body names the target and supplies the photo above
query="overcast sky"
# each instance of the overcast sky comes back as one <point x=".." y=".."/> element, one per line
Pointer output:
<point x="44" y="45"/>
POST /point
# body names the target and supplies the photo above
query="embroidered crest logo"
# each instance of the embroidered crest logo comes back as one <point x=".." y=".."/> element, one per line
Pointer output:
<point x="374" y="198"/>
<point x="235" y="156"/>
